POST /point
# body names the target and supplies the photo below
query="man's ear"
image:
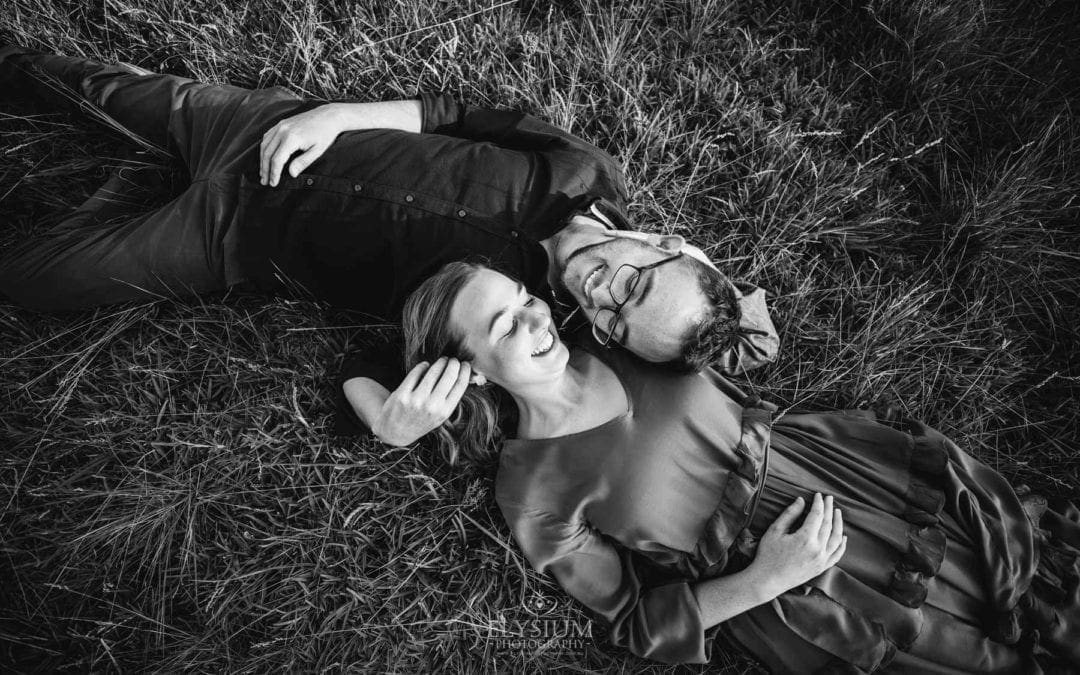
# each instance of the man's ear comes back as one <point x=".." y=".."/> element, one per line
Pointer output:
<point x="672" y="243"/>
<point x="698" y="254"/>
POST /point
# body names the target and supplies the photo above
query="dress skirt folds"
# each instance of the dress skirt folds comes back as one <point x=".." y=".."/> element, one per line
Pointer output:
<point x="947" y="568"/>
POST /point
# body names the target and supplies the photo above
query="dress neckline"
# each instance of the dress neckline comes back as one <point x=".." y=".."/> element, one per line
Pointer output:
<point x="603" y="425"/>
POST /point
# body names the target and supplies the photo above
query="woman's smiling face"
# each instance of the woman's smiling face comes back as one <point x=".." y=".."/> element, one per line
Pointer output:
<point x="509" y="331"/>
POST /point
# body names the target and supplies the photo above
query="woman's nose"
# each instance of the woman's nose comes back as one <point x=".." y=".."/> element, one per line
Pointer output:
<point x="536" y="319"/>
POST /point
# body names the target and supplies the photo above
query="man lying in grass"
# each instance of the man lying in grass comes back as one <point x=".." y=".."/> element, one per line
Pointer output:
<point x="380" y="196"/>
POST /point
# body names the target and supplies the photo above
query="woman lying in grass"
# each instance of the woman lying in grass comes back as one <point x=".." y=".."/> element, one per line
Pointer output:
<point x="618" y="469"/>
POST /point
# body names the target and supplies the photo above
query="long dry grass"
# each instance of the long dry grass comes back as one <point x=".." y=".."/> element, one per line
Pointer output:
<point x="901" y="176"/>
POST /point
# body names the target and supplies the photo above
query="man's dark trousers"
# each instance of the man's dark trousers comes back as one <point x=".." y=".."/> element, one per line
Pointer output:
<point x="187" y="246"/>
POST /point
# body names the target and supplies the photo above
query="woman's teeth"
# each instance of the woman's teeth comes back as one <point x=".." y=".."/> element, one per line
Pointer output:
<point x="545" y="344"/>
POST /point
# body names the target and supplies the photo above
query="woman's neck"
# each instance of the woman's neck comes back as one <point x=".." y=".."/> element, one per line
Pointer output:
<point x="565" y="405"/>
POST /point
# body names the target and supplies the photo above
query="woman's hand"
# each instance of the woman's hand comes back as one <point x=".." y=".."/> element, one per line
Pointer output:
<point x="786" y="559"/>
<point x="426" y="398"/>
<point x="310" y="132"/>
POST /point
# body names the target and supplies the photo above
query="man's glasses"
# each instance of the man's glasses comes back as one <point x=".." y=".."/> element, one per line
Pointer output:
<point x="607" y="322"/>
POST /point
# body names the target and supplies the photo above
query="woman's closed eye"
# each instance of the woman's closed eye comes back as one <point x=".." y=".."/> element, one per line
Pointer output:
<point x="514" y="322"/>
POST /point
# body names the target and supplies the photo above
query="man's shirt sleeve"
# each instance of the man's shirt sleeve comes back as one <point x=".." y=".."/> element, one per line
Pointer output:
<point x="443" y="114"/>
<point x="381" y="363"/>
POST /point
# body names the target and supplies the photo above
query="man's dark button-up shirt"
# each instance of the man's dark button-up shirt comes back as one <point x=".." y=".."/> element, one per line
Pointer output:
<point x="382" y="209"/>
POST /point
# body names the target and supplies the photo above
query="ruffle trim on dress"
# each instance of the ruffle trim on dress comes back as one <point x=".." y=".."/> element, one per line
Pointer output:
<point x="1040" y="621"/>
<point x="860" y="644"/>
<point x="727" y="524"/>
<point x="925" y="500"/>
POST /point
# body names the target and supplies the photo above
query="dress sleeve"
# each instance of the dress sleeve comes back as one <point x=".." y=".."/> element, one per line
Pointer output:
<point x="757" y="342"/>
<point x="660" y="622"/>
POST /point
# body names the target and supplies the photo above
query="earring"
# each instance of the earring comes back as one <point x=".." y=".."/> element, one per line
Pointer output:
<point x="478" y="380"/>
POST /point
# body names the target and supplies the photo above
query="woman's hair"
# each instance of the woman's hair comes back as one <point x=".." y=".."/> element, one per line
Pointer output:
<point x="473" y="430"/>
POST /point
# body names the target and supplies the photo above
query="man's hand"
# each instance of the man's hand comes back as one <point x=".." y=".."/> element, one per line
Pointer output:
<point x="312" y="132"/>
<point x="786" y="559"/>
<point x="426" y="398"/>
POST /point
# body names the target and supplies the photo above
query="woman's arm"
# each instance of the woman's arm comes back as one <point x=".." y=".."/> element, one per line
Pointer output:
<point x="668" y="622"/>
<point x="425" y="399"/>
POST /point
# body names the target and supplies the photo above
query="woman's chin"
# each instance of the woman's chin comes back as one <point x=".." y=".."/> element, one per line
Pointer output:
<point x="560" y="354"/>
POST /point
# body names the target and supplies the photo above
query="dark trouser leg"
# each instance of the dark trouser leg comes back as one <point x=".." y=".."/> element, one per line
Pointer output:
<point x="189" y="245"/>
<point x="210" y="126"/>
<point x="177" y="250"/>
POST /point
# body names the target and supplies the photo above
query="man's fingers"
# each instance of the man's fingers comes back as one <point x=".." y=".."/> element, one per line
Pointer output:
<point x="297" y="166"/>
<point x="270" y="141"/>
<point x="447" y="380"/>
<point x="301" y="162"/>
<point x="787" y="516"/>
<point x="280" y="157"/>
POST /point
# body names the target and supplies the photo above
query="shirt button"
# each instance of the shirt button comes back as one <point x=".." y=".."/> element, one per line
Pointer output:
<point x="358" y="187"/>
<point x="461" y="213"/>
<point x="514" y="234"/>
<point x="310" y="181"/>
<point x="408" y="198"/>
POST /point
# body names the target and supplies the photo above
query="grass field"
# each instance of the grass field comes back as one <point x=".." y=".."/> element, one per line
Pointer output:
<point x="901" y="176"/>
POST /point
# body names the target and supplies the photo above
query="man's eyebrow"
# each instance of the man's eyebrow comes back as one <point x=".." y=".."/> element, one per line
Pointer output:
<point x="504" y="310"/>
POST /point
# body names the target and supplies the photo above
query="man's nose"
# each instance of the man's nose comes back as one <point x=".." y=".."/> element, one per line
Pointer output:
<point x="601" y="294"/>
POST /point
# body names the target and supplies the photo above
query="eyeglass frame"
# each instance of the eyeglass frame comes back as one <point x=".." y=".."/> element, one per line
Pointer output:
<point x="606" y="342"/>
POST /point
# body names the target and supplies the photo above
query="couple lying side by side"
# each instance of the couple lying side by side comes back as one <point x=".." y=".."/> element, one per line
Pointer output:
<point x="831" y="542"/>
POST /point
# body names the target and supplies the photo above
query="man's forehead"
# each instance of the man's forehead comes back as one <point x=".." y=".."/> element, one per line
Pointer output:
<point x="657" y="326"/>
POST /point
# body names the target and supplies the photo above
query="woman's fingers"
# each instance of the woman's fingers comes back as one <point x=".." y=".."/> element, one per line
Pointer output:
<point x="826" y="520"/>
<point x="812" y="524"/>
<point x="414" y="375"/>
<point x="838" y="553"/>
<point x="787" y="517"/>
<point x="464" y="373"/>
<point x="431" y="377"/>
<point x="836" y="535"/>
<point x="447" y="379"/>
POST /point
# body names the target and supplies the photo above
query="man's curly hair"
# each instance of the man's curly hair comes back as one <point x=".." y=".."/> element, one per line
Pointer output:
<point x="717" y="330"/>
